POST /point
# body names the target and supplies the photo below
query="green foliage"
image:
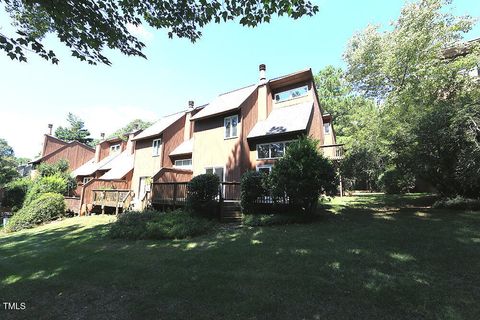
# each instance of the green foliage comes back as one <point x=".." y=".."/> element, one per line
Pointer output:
<point x="202" y="191"/>
<point x="252" y="186"/>
<point x="8" y="165"/>
<point x="87" y="27"/>
<point x="258" y="220"/>
<point x="48" y="184"/>
<point x="46" y="207"/>
<point x="302" y="175"/>
<point x="45" y="169"/>
<point x="76" y="131"/>
<point x="133" y="125"/>
<point x="15" y="192"/>
<point x="394" y="181"/>
<point x="158" y="225"/>
<point x="458" y="203"/>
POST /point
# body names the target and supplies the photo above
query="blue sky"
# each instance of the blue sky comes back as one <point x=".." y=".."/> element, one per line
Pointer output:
<point x="36" y="93"/>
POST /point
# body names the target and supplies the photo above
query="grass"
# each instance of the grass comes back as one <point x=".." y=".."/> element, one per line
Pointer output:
<point x="371" y="257"/>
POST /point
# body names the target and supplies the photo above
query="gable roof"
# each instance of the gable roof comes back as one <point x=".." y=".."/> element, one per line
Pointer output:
<point x="120" y="166"/>
<point x="67" y="145"/>
<point x="91" y="166"/>
<point x="284" y="120"/>
<point x="158" y="127"/>
<point x="225" y="102"/>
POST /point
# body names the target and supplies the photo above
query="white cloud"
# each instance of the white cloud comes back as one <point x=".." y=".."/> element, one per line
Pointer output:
<point x="140" y="32"/>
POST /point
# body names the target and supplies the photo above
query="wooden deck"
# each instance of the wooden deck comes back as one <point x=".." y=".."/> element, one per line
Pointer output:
<point x="118" y="199"/>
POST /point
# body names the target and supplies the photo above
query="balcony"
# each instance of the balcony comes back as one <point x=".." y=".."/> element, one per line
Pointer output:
<point x="333" y="151"/>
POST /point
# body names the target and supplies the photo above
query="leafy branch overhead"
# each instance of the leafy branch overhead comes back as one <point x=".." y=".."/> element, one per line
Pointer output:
<point x="87" y="27"/>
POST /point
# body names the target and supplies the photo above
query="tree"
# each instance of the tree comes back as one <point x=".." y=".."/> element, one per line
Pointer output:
<point x="88" y="26"/>
<point x="76" y="131"/>
<point x="130" y="127"/>
<point x="406" y="71"/>
<point x="302" y="175"/>
<point x="8" y="165"/>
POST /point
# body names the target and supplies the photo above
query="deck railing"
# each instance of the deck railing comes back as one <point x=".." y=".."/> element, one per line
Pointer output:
<point x="333" y="151"/>
<point x="114" y="198"/>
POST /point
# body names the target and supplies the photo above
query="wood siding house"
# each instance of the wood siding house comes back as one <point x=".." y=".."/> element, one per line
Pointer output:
<point x="54" y="150"/>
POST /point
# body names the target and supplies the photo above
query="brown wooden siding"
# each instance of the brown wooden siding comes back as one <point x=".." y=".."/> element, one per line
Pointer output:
<point x="105" y="147"/>
<point x="87" y="192"/>
<point x="249" y="117"/>
<point x="172" y="137"/>
<point x="76" y="154"/>
<point x="173" y="175"/>
<point x="51" y="144"/>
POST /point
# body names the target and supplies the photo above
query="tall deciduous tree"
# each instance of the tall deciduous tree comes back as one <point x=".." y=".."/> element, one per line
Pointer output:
<point x="89" y="26"/>
<point x="133" y="125"/>
<point x="422" y="91"/>
<point x="76" y="131"/>
<point x="8" y="165"/>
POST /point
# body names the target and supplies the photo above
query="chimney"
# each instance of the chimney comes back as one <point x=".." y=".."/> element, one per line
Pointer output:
<point x="262" y="94"/>
<point x="130" y="144"/>
<point x="262" y="68"/>
<point x="97" y="153"/>
<point x="187" y="129"/>
<point x="50" y="127"/>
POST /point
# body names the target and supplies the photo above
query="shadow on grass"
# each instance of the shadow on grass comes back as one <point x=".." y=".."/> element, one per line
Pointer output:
<point x="377" y="257"/>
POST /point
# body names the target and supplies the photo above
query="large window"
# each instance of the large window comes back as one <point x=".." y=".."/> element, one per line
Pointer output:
<point x="183" y="163"/>
<point x="215" y="170"/>
<point x="291" y="93"/>
<point x="115" y="148"/>
<point x="157" y="143"/>
<point x="265" y="168"/>
<point x="272" y="150"/>
<point x="230" y="125"/>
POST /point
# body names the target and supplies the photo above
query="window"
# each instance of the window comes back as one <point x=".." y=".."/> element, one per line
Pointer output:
<point x="115" y="148"/>
<point x="157" y="143"/>
<point x="291" y="94"/>
<point x="215" y="170"/>
<point x="230" y="124"/>
<point x="272" y="150"/>
<point x="86" y="179"/>
<point x="183" y="163"/>
<point x="265" y="169"/>
<point x="326" y="128"/>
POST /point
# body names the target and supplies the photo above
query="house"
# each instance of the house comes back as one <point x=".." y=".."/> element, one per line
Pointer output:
<point x="54" y="150"/>
<point x="250" y="128"/>
<point x="111" y="168"/>
<point x="163" y="153"/>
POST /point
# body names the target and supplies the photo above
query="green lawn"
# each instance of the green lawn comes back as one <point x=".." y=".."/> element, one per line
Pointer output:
<point x="371" y="257"/>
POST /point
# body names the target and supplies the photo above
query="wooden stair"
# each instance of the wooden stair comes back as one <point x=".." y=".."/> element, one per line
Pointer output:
<point x="231" y="212"/>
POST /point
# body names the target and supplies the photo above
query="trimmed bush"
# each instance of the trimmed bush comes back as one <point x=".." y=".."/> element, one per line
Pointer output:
<point x="394" y="181"/>
<point x="202" y="191"/>
<point x="458" y="203"/>
<point x="176" y="224"/>
<point x="252" y="187"/>
<point x="302" y="175"/>
<point x="47" y="207"/>
<point x="15" y="192"/>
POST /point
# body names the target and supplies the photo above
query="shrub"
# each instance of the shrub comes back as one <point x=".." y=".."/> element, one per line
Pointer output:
<point x="252" y="187"/>
<point x="302" y="175"/>
<point x="202" y="191"/>
<point x="15" y="192"/>
<point x="458" y="203"/>
<point x="47" y="184"/>
<point x="49" y="169"/>
<point x="257" y="220"/>
<point x="46" y="207"/>
<point x="394" y="181"/>
<point x="176" y="224"/>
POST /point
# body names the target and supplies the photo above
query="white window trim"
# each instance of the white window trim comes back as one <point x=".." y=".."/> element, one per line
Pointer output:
<point x="153" y="147"/>
<point x="292" y="98"/>
<point x="263" y="166"/>
<point x="216" y="167"/>
<point x="183" y="166"/>
<point x="87" y="179"/>
<point x="115" y="147"/>
<point x="225" y="128"/>
<point x="329" y="128"/>
<point x="269" y="143"/>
